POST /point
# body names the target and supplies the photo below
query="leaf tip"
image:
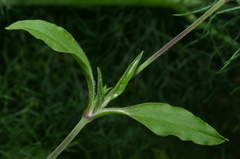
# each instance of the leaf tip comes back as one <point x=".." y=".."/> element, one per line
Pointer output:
<point x="11" y="26"/>
<point x="8" y="28"/>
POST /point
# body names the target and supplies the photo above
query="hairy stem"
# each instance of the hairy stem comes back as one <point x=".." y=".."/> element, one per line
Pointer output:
<point x="181" y="35"/>
<point x="69" y="138"/>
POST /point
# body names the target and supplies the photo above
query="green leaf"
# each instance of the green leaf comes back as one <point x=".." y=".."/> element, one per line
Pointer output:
<point x="59" y="40"/>
<point x="100" y="89"/>
<point x="122" y="83"/>
<point x="164" y="120"/>
<point x="55" y="37"/>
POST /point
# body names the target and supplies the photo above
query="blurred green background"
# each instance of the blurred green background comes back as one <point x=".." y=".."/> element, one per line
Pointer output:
<point x="43" y="93"/>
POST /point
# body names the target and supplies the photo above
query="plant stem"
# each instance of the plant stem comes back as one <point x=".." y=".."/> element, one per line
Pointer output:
<point x="181" y="35"/>
<point x="69" y="138"/>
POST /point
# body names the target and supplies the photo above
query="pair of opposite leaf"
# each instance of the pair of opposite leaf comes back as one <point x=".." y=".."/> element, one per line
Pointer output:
<point x="160" y="118"/>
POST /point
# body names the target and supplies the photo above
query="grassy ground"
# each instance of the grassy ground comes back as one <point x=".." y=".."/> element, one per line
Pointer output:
<point x="43" y="93"/>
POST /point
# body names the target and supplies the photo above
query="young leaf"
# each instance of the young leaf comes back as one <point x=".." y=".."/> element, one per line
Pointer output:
<point x="164" y="120"/>
<point x="100" y="88"/>
<point x="122" y="83"/>
<point x="59" y="40"/>
<point x="101" y="91"/>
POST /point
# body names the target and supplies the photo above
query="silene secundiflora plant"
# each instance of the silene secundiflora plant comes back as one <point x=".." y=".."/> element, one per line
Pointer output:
<point x="160" y="118"/>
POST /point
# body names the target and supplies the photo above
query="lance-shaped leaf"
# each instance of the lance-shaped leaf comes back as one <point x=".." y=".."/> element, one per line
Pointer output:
<point x="101" y="90"/>
<point x="164" y="120"/>
<point x="59" y="40"/>
<point x="122" y="83"/>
